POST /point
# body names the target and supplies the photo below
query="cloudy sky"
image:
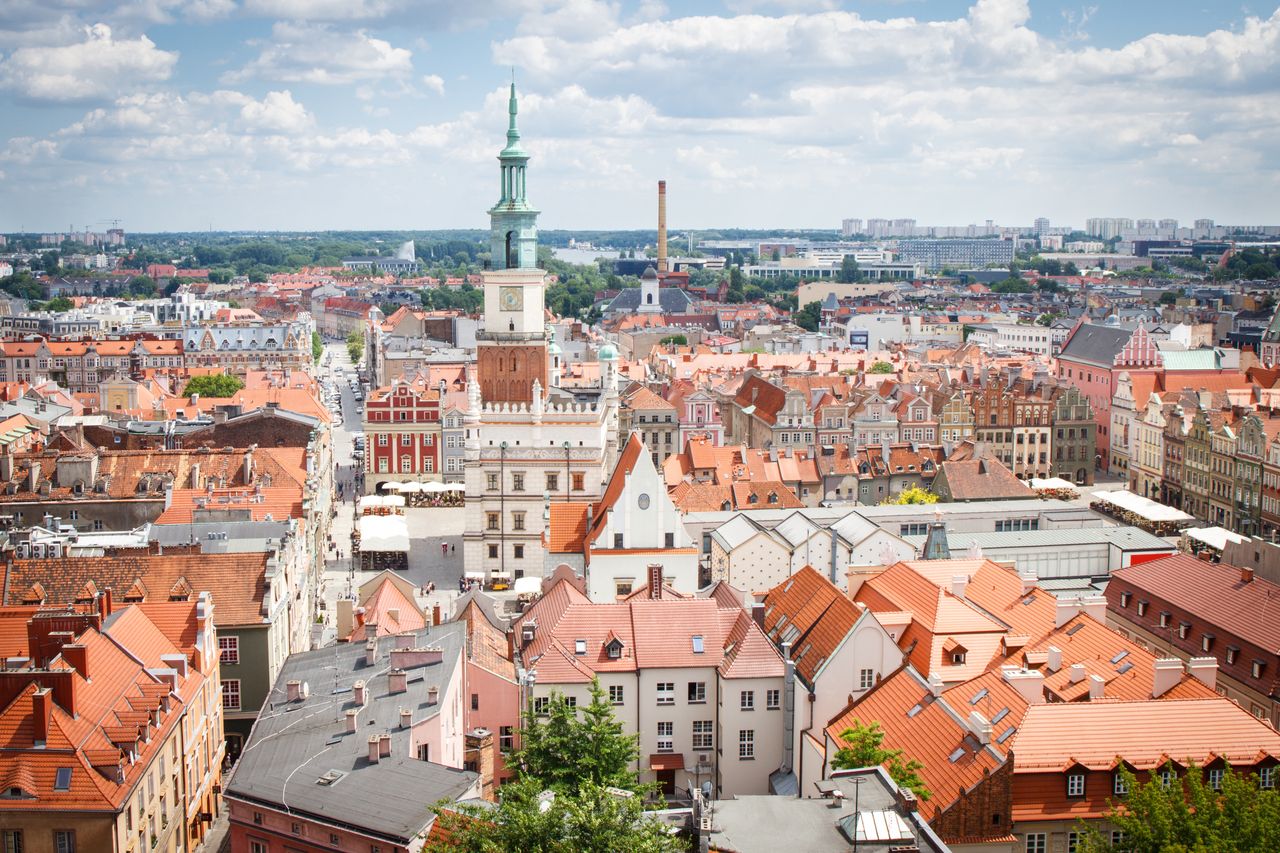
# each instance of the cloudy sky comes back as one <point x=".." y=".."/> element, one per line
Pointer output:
<point x="310" y="114"/>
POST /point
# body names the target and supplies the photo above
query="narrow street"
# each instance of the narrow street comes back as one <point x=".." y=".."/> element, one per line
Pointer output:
<point x="428" y="528"/>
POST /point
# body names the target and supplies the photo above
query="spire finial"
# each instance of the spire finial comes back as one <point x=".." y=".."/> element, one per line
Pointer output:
<point x="512" y="132"/>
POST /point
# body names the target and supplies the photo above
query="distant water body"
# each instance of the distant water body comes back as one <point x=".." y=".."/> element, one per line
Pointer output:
<point x="581" y="256"/>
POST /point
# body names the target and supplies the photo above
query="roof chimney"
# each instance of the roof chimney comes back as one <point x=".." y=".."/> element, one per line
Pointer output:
<point x="358" y="693"/>
<point x="1027" y="682"/>
<point x="662" y="228"/>
<point x="1246" y="574"/>
<point x="352" y="717"/>
<point x="655" y="580"/>
<point x="1077" y="673"/>
<point x="1029" y="581"/>
<point x="980" y="726"/>
<point x="1095" y="606"/>
<point x="1055" y="659"/>
<point x="935" y="684"/>
<point x="384" y="745"/>
<point x="370" y="651"/>
<point x="374" y="748"/>
<point x="1097" y="686"/>
<point x="41" y="714"/>
<point x="1204" y="670"/>
<point x="293" y="690"/>
<point x="1066" y="611"/>
<point x="1167" y="672"/>
<point x="406" y="718"/>
<point x="958" y="583"/>
<point x="433" y="695"/>
<point x="77" y="655"/>
<point x="397" y="680"/>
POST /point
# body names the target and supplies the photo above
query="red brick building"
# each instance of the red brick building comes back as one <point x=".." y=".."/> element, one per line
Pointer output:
<point x="402" y="433"/>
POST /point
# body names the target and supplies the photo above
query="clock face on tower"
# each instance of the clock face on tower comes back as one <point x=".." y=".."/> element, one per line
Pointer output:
<point x="511" y="298"/>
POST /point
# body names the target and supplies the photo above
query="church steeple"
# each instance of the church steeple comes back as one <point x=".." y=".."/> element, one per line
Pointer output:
<point x="513" y="237"/>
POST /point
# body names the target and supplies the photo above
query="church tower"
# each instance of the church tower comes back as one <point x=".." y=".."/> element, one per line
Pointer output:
<point x="511" y="348"/>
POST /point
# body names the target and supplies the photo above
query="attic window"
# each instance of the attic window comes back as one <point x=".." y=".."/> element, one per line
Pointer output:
<point x="957" y="755"/>
<point x="1124" y="667"/>
<point x="1076" y="627"/>
<point x="579" y="647"/>
<point x="1121" y="655"/>
<point x="1006" y="734"/>
<point x="62" y="779"/>
<point x="979" y="696"/>
<point x="613" y="650"/>
<point x="1000" y="715"/>
<point x="915" y="709"/>
<point x="697" y="644"/>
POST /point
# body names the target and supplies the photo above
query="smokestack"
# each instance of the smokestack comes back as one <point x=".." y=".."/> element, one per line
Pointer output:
<point x="662" y="228"/>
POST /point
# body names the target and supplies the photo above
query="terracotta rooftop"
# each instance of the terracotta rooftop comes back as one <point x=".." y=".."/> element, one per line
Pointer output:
<point x="812" y="614"/>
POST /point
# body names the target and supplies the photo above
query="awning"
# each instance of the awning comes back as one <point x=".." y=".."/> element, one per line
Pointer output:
<point x="528" y="585"/>
<point x="1143" y="507"/>
<point x="666" y="761"/>
<point x="501" y="575"/>
<point x="475" y="576"/>
<point x="383" y="533"/>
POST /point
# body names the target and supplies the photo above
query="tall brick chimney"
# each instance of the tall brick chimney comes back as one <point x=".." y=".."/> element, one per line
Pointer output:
<point x="662" y="229"/>
<point x="655" y="580"/>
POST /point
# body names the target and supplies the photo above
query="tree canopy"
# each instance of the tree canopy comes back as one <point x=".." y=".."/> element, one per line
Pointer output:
<point x="355" y="346"/>
<point x="808" y="317"/>
<point x="913" y="495"/>
<point x="574" y="790"/>
<point x="218" y="385"/>
<point x="317" y="347"/>
<point x="881" y="367"/>
<point x="1190" y="816"/>
<point x="863" y="748"/>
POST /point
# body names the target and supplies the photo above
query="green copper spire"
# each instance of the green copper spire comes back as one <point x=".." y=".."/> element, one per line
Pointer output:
<point x="513" y="236"/>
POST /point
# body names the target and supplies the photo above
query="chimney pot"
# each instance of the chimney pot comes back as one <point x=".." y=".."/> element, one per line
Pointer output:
<point x="1246" y="574"/>
<point x="358" y="693"/>
<point x="397" y="680"/>
<point x="353" y="717"/>
<point x="384" y="745"/>
<point x="1055" y="659"/>
<point x="293" y="690"/>
<point x="1077" y="673"/>
<point x="406" y="718"/>
<point x="374" y="748"/>
<point x="1097" y="686"/>
<point x="958" y="584"/>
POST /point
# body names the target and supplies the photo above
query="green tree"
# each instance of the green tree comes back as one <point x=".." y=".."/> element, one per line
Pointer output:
<point x="1168" y="298"/>
<point x="217" y="385"/>
<point x="58" y="304"/>
<point x="808" y="317"/>
<point x="881" y="367"/>
<point x="50" y="261"/>
<point x="1190" y="816"/>
<point x="1012" y="284"/>
<point x="913" y="495"/>
<point x="863" y="747"/>
<point x="317" y="347"/>
<point x="531" y="820"/>
<point x="849" y="269"/>
<point x="678" y="340"/>
<point x="565" y="751"/>
<point x="355" y="346"/>
<point x="735" y="293"/>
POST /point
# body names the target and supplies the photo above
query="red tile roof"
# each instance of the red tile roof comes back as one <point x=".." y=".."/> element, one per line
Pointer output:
<point x="812" y="614"/>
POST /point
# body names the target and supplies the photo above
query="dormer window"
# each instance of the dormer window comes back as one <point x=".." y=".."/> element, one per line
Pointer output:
<point x="1258" y="667"/>
<point x="1124" y="598"/>
<point x="1206" y="642"/>
<point x="1142" y="608"/>
<point x="614" y="649"/>
<point x="1184" y="628"/>
<point x="1075" y="784"/>
<point x="1164" y="618"/>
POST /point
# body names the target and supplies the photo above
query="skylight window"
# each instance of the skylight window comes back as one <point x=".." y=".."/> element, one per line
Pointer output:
<point x="1000" y="715"/>
<point x="916" y="709"/>
<point x="579" y="647"/>
<point x="1120" y="655"/>
<point x="1006" y="734"/>
<point x="1076" y="627"/>
<point x="1124" y="667"/>
<point x="957" y="755"/>
<point x="62" y="780"/>
<point x="978" y="697"/>
<point x="697" y="644"/>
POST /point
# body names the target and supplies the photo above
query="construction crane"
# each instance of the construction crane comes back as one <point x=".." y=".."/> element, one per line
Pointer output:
<point x="114" y="223"/>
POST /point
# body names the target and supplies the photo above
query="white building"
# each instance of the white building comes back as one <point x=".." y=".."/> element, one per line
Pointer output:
<point x="694" y="677"/>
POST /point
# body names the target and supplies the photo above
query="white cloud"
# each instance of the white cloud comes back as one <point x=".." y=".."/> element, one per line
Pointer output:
<point x="278" y="111"/>
<point x="317" y="53"/>
<point x="434" y="83"/>
<point x="97" y="67"/>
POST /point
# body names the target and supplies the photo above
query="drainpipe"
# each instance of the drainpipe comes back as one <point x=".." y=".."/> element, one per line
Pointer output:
<point x="835" y="539"/>
<point x="788" y="709"/>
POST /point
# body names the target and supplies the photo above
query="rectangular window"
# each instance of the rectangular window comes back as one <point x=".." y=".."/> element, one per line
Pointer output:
<point x="540" y="704"/>
<point x="746" y="744"/>
<point x="615" y="694"/>
<point x="1075" y="785"/>
<point x="703" y="735"/>
<point x="666" y="693"/>
<point x="773" y="699"/>
<point x="553" y="482"/>
<point x="475" y="701"/>
<point x="1036" y="842"/>
<point x="697" y="692"/>
<point x="666" y="732"/>
<point x="517" y="521"/>
<point x="517" y="551"/>
<point x="617" y="540"/>
<point x="257" y="846"/>
<point x="1119" y="786"/>
<point x="382" y="439"/>
<point x="406" y="464"/>
<point x="493" y="552"/>
<point x="506" y="738"/>
<point x="747" y="700"/>
<point x="492" y="520"/>
<point x="1267" y="778"/>
<point x="492" y="482"/>
<point x="229" y="650"/>
<point x="577" y="482"/>
<point x="517" y="482"/>
<point x="231" y="694"/>
<point x="1117" y="837"/>
<point x="1215" y="779"/>
<point x="12" y="841"/>
<point x="866" y="679"/>
<point x="1073" y="842"/>
<point x="406" y="440"/>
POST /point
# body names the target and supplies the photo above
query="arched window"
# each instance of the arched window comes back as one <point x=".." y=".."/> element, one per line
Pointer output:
<point x="511" y="250"/>
<point x="648" y="297"/>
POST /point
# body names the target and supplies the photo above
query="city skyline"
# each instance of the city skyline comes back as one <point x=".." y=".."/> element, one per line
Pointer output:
<point x="315" y="115"/>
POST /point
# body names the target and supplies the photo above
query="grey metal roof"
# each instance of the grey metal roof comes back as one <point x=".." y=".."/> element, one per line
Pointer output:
<point x="672" y="300"/>
<point x="294" y="744"/>
<point x="809" y="824"/>
<point x="1096" y="344"/>
<point x="1127" y="538"/>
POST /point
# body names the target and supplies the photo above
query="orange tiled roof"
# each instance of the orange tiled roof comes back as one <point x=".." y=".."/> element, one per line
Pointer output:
<point x="808" y="611"/>
<point x="567" y="529"/>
